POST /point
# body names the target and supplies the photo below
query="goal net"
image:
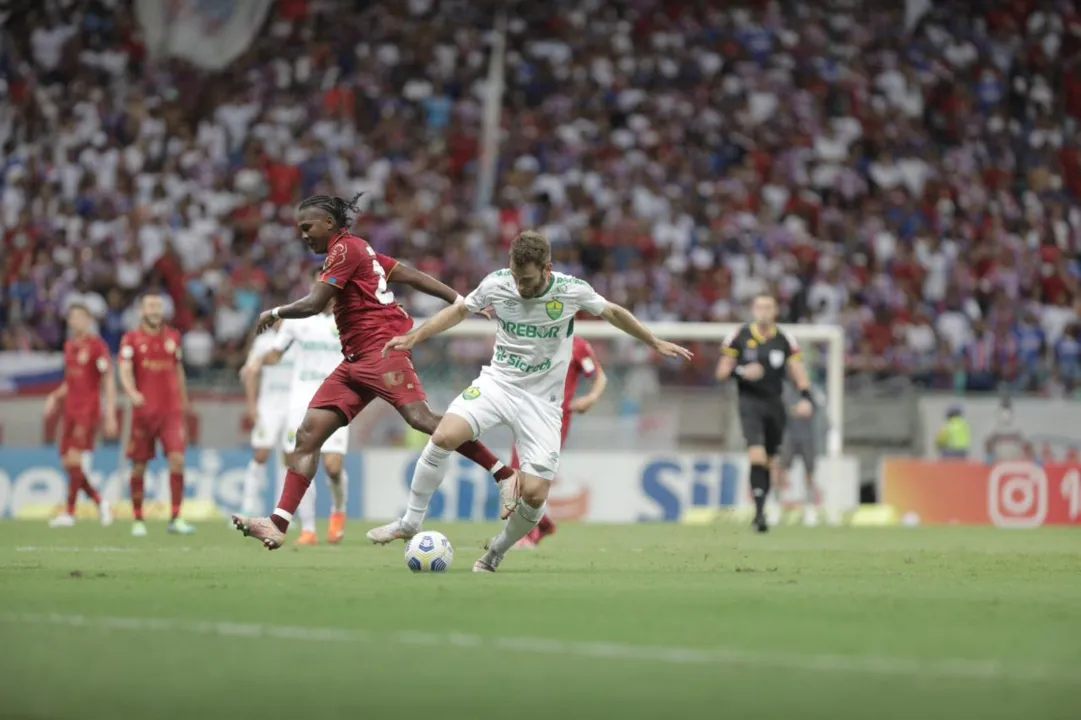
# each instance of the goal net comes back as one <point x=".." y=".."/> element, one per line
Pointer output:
<point x="651" y="403"/>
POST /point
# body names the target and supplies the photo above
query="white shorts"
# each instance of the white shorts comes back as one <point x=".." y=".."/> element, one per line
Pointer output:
<point x="270" y="426"/>
<point x="537" y="424"/>
<point x="338" y="443"/>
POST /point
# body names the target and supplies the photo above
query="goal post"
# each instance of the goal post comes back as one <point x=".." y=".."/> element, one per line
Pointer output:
<point x="829" y="337"/>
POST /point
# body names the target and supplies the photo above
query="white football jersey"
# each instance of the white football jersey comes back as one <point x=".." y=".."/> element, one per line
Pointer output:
<point x="274" y="380"/>
<point x="534" y="340"/>
<point x="316" y="348"/>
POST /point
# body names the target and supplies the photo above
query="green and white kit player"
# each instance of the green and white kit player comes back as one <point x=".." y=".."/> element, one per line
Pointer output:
<point x="522" y="387"/>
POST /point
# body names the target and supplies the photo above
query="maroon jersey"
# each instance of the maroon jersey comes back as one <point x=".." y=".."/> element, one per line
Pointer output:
<point x="86" y="361"/>
<point x="155" y="357"/>
<point x="366" y="312"/>
<point x="583" y="362"/>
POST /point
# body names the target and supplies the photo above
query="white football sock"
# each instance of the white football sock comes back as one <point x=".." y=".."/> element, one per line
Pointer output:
<point x="428" y="475"/>
<point x="521" y="521"/>
<point x="306" y="511"/>
<point x="339" y="491"/>
<point x="254" y="480"/>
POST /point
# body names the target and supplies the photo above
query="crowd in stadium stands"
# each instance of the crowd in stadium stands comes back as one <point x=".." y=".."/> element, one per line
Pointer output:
<point x="923" y="190"/>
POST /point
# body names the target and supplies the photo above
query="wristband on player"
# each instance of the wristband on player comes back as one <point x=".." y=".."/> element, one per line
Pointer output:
<point x="738" y="372"/>
<point x="276" y="313"/>
<point x="806" y="395"/>
<point x="457" y="299"/>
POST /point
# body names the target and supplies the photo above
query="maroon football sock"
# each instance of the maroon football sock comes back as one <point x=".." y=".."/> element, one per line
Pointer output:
<point x="293" y="492"/>
<point x="546" y="525"/>
<point x="138" y="491"/>
<point x="75" y="483"/>
<point x="481" y="455"/>
<point x="87" y="487"/>
<point x="176" y="493"/>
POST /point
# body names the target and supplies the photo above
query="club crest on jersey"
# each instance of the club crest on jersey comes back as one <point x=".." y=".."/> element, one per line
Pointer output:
<point x="336" y="256"/>
<point x="776" y="358"/>
<point x="554" y="308"/>
<point x="83" y="357"/>
<point x="471" y="393"/>
<point x="752" y="343"/>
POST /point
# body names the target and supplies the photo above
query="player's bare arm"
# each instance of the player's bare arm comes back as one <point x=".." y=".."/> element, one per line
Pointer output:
<point x="127" y="382"/>
<point x="585" y="403"/>
<point x="725" y="367"/>
<point x="442" y="321"/>
<point x="182" y="386"/>
<point x="798" y="373"/>
<point x="249" y="375"/>
<point x="53" y="399"/>
<point x="111" y="429"/>
<point x="311" y="304"/>
<point x="422" y="281"/>
<point x="622" y="318"/>
<point x="425" y="283"/>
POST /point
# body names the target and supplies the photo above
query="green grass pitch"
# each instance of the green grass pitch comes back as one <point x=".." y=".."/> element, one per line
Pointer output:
<point x="625" y="622"/>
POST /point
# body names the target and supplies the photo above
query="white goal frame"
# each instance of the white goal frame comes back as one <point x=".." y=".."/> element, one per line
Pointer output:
<point x="831" y="335"/>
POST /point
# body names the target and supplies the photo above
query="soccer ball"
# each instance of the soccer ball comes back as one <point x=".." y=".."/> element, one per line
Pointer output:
<point x="429" y="552"/>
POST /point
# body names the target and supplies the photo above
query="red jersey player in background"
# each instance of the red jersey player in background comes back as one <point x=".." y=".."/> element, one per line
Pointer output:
<point x="152" y="375"/>
<point x="87" y="367"/>
<point x="367" y="315"/>
<point x="583" y="363"/>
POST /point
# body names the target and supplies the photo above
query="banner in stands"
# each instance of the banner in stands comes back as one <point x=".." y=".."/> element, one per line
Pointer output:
<point x="207" y="33"/>
<point x="594" y="487"/>
<point x="598" y="487"/>
<point x="1015" y="494"/>
<point x="33" y="485"/>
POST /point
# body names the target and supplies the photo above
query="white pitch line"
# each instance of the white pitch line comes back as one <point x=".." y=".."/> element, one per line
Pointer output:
<point x="951" y="669"/>
<point x="96" y="549"/>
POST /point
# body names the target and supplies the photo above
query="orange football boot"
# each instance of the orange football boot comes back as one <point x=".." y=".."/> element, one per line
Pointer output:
<point x="337" y="528"/>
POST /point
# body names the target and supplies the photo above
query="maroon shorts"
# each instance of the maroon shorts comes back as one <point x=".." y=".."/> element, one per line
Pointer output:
<point x="80" y="433"/>
<point x="354" y="384"/>
<point x="148" y="430"/>
<point x="565" y="430"/>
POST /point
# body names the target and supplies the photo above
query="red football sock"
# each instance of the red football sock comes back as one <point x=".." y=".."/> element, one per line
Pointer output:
<point x="293" y="492"/>
<point x="176" y="492"/>
<point x="481" y="455"/>
<point x="75" y="483"/>
<point x="87" y="487"/>
<point x="138" y="490"/>
<point x="546" y="525"/>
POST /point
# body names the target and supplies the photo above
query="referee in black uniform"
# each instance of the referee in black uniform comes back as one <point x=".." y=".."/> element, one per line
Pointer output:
<point x="759" y="355"/>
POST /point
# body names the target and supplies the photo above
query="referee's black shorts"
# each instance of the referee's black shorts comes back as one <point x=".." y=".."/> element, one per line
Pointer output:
<point x="763" y="423"/>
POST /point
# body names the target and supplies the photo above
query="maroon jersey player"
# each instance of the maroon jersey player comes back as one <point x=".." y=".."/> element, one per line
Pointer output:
<point x="583" y="364"/>
<point x="152" y="375"/>
<point x="367" y="315"/>
<point x="88" y="368"/>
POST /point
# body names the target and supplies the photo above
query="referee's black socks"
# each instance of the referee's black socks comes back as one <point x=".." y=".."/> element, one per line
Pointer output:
<point x="760" y="482"/>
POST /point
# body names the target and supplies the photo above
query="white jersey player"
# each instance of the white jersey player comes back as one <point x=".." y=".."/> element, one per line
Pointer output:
<point x="267" y="391"/>
<point x="522" y="387"/>
<point x="316" y="350"/>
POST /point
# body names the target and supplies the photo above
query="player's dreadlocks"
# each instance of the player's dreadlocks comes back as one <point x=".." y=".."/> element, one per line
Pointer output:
<point x="336" y="207"/>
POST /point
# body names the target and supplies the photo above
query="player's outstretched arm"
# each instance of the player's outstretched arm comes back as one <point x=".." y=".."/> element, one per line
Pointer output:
<point x="443" y="320"/>
<point x="422" y="281"/>
<point x="620" y="317"/>
<point x="311" y="304"/>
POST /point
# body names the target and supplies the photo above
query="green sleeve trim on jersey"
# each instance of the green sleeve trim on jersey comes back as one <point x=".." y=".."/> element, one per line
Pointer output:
<point x="551" y="282"/>
<point x="570" y="328"/>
